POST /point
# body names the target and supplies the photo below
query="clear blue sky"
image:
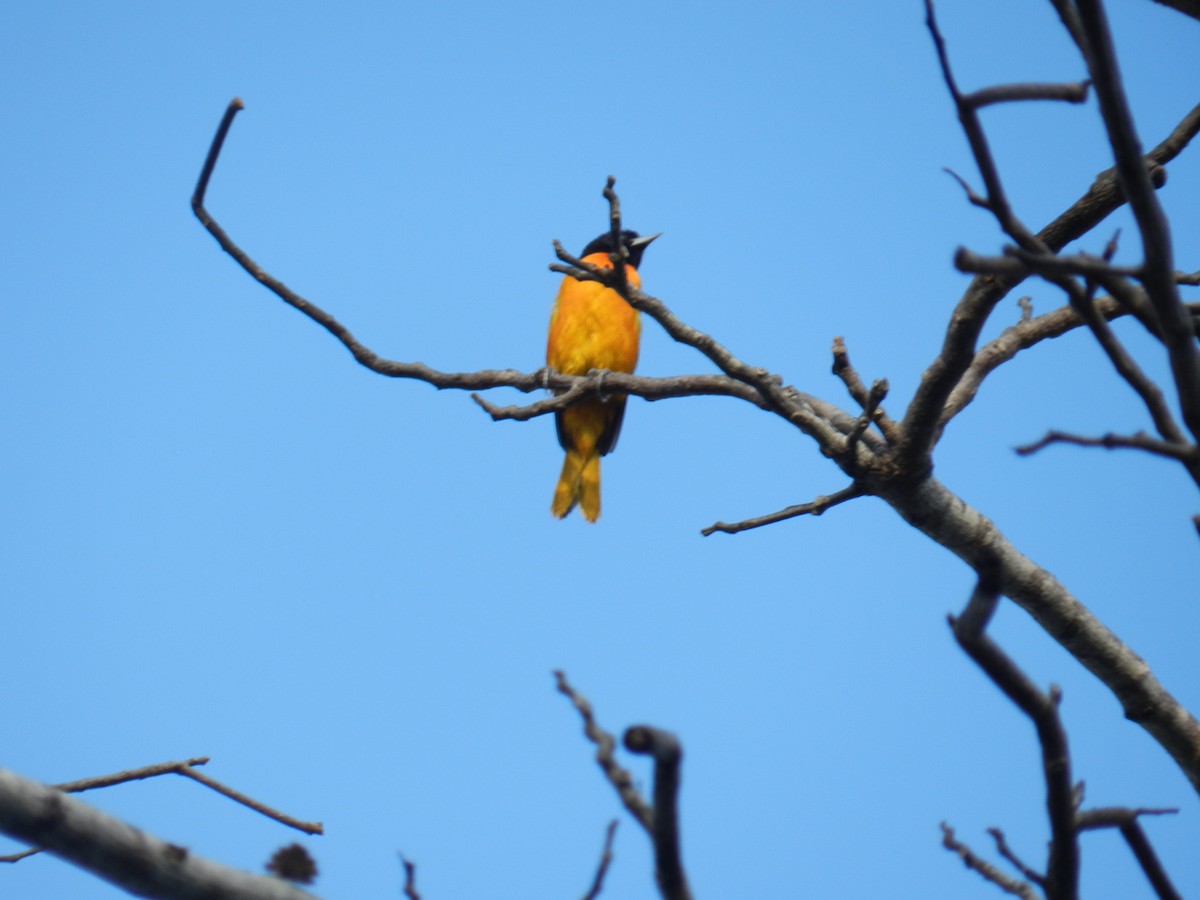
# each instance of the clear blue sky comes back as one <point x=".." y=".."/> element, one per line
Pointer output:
<point x="221" y="536"/>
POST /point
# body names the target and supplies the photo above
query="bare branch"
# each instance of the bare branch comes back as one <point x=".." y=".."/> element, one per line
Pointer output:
<point x="765" y="389"/>
<point x="984" y="868"/>
<point x="1027" y="333"/>
<point x="410" y="879"/>
<point x="812" y="508"/>
<point x="1187" y="7"/>
<point x="1159" y="268"/>
<point x="596" y="384"/>
<point x="103" y="781"/>
<point x="667" y="752"/>
<point x="174" y="768"/>
<point x="605" y="743"/>
<point x="251" y="803"/>
<point x="1126" y="819"/>
<point x="605" y="860"/>
<point x="858" y="391"/>
<point x="1187" y="453"/>
<point x="1008" y="93"/>
<point x="924" y="420"/>
<point x="1062" y="869"/>
<point x="119" y="853"/>
<point x="1004" y="850"/>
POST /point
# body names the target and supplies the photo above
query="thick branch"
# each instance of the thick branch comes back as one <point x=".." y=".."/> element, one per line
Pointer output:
<point x="667" y="752"/>
<point x="941" y="515"/>
<point x="119" y="853"/>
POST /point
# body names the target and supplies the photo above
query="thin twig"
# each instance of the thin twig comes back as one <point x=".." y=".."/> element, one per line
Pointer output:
<point x="1004" y="850"/>
<point x="812" y="508"/>
<point x="989" y="872"/>
<point x="1188" y="453"/>
<point x="251" y="803"/>
<point x="103" y="781"/>
<point x="605" y="861"/>
<point x="849" y="376"/>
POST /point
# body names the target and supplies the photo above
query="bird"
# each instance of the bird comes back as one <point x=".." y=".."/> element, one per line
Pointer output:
<point x="592" y="327"/>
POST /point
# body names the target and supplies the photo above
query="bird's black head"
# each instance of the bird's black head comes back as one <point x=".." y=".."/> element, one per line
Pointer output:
<point x="635" y="245"/>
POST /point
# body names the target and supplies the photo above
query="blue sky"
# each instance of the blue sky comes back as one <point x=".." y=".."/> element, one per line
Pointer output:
<point x="222" y="536"/>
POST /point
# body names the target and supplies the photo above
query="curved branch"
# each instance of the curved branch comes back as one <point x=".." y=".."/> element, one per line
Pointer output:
<point x="667" y="752"/>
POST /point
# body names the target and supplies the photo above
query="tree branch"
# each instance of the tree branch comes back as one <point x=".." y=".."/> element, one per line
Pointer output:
<point x="119" y="853"/>
<point x="618" y="777"/>
<point x="989" y="872"/>
<point x="1158" y="271"/>
<point x="1187" y="453"/>
<point x="813" y="508"/>
<point x="1062" y="868"/>
<point x="667" y="753"/>
<point x="605" y="860"/>
<point x="926" y="418"/>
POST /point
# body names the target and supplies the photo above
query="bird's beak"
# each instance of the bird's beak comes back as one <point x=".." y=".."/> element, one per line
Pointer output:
<point x="643" y="241"/>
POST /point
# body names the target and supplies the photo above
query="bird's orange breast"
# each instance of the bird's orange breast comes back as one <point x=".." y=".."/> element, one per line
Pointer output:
<point x="592" y="327"/>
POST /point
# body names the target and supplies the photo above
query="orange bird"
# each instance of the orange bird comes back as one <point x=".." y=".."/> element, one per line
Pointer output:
<point x="592" y="327"/>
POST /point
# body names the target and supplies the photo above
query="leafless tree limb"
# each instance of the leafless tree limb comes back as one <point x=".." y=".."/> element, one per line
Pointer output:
<point x="186" y="769"/>
<point x="1158" y="273"/>
<point x="1187" y="7"/>
<point x="843" y="369"/>
<point x="410" y="879"/>
<point x="605" y="743"/>
<point x="1062" y="868"/>
<point x="899" y="475"/>
<point x="812" y="508"/>
<point x="667" y="753"/>
<point x="1029" y="332"/>
<point x="1017" y="863"/>
<point x="989" y="872"/>
<point x="1139" y="441"/>
<point x="251" y="803"/>
<point x="1009" y="93"/>
<point x="1062" y="800"/>
<point x="103" y="781"/>
<point x="930" y="410"/>
<point x="661" y="820"/>
<point x="605" y="858"/>
<point x="1126" y="820"/>
<point x="44" y="816"/>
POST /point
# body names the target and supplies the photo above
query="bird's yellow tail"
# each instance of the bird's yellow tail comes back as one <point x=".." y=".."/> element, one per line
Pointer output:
<point x="578" y="483"/>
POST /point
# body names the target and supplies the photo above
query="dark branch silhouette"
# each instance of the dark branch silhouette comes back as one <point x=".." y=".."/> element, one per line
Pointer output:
<point x="661" y="820"/>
